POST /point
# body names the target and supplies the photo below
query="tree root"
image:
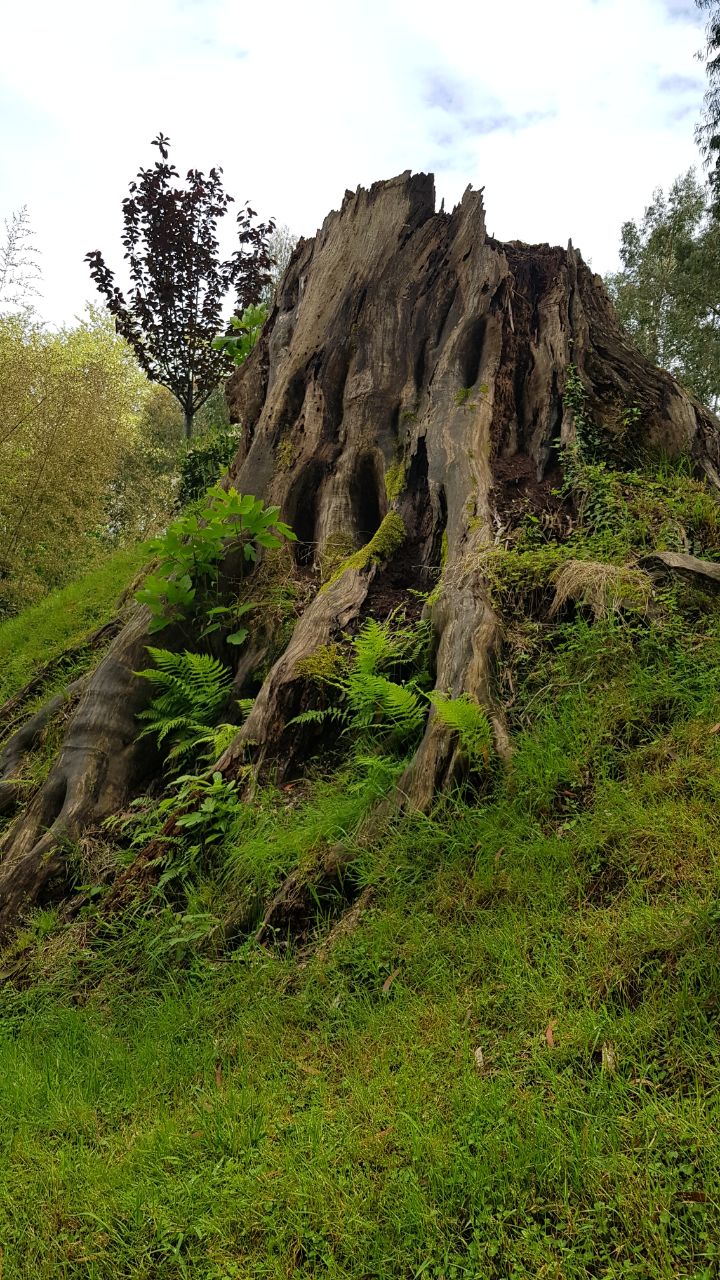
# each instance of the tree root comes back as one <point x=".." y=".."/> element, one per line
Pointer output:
<point x="94" y="640"/>
<point x="411" y="373"/>
<point x="98" y="763"/>
<point x="25" y="739"/>
<point x="295" y="904"/>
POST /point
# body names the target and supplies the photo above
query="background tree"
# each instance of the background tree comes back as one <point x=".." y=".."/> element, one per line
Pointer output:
<point x="68" y="418"/>
<point x="668" y="291"/>
<point x="708" y="131"/>
<point x="19" y="265"/>
<point x="281" y="245"/>
<point x="179" y="283"/>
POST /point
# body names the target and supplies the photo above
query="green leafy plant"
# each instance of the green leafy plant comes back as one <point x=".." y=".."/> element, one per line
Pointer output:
<point x="369" y="703"/>
<point x="245" y="332"/>
<point x="191" y="550"/>
<point x="204" y="460"/>
<point x="593" y="486"/>
<point x="223" y="614"/>
<point x="466" y="717"/>
<point x="192" y="687"/>
<point x="206" y="811"/>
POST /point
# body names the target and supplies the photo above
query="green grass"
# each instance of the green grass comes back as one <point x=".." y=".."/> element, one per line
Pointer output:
<point x="510" y="1066"/>
<point x="167" y="1113"/>
<point x="63" y="618"/>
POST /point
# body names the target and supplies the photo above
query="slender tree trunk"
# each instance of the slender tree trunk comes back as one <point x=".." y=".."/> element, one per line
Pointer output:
<point x="406" y="397"/>
<point x="188" y="416"/>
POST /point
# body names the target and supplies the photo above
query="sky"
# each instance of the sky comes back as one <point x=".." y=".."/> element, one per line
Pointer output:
<point x="569" y="112"/>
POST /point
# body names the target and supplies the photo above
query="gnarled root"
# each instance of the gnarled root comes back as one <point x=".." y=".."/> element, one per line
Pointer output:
<point x="98" y="763"/>
<point x="25" y="739"/>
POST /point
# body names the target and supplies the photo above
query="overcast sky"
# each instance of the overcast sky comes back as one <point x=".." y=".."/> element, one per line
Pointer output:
<point x="568" y="112"/>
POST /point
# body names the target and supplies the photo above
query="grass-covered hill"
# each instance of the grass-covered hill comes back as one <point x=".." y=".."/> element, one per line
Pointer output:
<point x="490" y="1048"/>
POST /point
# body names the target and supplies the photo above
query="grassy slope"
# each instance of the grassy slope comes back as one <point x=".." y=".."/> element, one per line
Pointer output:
<point x="63" y="618"/>
<point x="165" y="1114"/>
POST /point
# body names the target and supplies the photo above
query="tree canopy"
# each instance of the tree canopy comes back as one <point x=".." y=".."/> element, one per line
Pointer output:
<point x="708" y="131"/>
<point x="68" y="404"/>
<point x="668" y="291"/>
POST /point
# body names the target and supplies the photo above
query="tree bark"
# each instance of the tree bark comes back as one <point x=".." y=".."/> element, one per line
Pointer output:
<point x="412" y="367"/>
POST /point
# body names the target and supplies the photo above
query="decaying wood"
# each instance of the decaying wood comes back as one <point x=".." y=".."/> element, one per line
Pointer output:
<point x="295" y="903"/>
<point x="413" y="366"/>
<point x="98" y="763"/>
<point x="665" y="564"/>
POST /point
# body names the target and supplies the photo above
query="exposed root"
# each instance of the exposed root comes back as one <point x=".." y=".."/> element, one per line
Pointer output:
<point x="296" y="902"/>
<point x="264" y="731"/>
<point x="95" y="640"/>
<point x="346" y="925"/>
<point x="26" y="739"/>
<point x="98" y="764"/>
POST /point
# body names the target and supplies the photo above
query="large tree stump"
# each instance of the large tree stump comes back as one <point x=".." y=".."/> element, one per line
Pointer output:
<point x="412" y="370"/>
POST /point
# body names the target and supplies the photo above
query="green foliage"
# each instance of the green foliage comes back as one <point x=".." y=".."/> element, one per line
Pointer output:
<point x="193" y="547"/>
<point x="595" y="488"/>
<point x="466" y="717"/>
<point x="501" y="1062"/>
<point x="209" y="810"/>
<point x="206" y="458"/>
<point x="505" y="1066"/>
<point x="707" y="133"/>
<point x="224" y="616"/>
<point x="192" y="689"/>
<point x="666" y="292"/>
<point x="68" y="421"/>
<point x="377" y="710"/>
<point x="141" y="498"/>
<point x="246" y="330"/>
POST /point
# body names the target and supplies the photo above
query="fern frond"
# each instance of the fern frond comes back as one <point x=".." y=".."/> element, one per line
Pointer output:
<point x="374" y="646"/>
<point x="318" y="715"/>
<point x="466" y="717"/>
<point x="191" y="689"/>
<point x="377" y="701"/>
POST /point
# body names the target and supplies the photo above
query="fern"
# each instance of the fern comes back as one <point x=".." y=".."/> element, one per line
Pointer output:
<point x="369" y="704"/>
<point x="382" y="646"/>
<point x="377" y="702"/>
<point x="192" y="687"/>
<point x="466" y="717"/>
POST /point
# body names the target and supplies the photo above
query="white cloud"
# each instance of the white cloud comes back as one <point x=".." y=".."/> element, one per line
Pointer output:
<point x="569" y="113"/>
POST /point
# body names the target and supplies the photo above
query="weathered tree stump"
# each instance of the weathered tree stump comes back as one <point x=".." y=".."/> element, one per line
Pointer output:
<point x="406" y="393"/>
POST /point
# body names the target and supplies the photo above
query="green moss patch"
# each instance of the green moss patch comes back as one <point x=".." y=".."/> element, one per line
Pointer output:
<point x="382" y="546"/>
